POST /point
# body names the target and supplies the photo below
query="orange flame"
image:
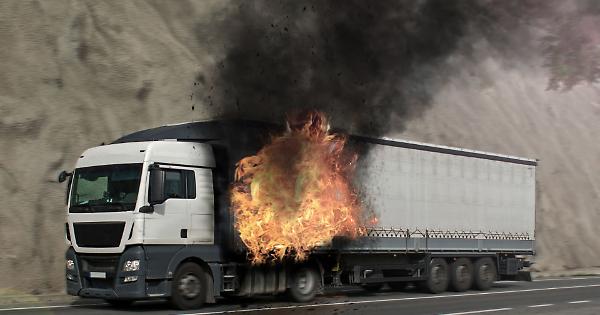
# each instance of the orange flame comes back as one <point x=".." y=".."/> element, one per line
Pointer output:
<point x="296" y="193"/>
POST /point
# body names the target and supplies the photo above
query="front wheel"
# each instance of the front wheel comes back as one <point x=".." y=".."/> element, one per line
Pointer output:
<point x="304" y="284"/>
<point x="188" y="289"/>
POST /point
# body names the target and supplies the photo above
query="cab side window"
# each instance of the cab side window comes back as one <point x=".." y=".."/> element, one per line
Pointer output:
<point x="180" y="184"/>
<point x="174" y="184"/>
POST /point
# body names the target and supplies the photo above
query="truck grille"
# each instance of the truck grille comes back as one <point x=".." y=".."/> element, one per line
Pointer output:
<point x="101" y="263"/>
<point x="99" y="283"/>
<point x="98" y="234"/>
<point x="109" y="264"/>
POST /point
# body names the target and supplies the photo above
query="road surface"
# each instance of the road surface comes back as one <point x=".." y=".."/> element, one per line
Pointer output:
<point x="579" y="295"/>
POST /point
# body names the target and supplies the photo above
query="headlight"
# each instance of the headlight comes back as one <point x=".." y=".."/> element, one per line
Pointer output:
<point x="70" y="264"/>
<point x="131" y="265"/>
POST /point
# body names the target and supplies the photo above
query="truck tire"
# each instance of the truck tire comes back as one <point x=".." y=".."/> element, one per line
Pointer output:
<point x="188" y="288"/>
<point x="304" y="284"/>
<point x="461" y="274"/>
<point x="437" y="282"/>
<point x="484" y="273"/>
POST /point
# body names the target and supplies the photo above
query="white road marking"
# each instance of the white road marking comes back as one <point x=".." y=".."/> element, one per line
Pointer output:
<point x="426" y="297"/>
<point x="540" y="305"/>
<point x="577" y="302"/>
<point x="562" y="279"/>
<point x="481" y="311"/>
<point x="47" y="307"/>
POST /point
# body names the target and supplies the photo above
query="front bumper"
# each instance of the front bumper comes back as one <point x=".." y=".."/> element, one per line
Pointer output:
<point x="101" y="276"/>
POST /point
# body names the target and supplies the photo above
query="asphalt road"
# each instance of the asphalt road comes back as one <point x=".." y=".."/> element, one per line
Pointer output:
<point x="549" y="296"/>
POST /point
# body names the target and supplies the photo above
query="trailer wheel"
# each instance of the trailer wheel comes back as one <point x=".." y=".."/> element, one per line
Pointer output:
<point x="437" y="282"/>
<point x="188" y="288"/>
<point x="485" y="273"/>
<point x="304" y="284"/>
<point x="461" y="274"/>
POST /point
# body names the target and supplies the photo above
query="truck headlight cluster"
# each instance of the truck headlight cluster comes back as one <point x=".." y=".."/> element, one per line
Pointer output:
<point x="70" y="264"/>
<point x="131" y="265"/>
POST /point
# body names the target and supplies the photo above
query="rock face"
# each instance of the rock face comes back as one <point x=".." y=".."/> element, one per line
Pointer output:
<point x="76" y="74"/>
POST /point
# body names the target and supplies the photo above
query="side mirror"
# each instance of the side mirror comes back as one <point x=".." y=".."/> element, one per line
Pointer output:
<point x="63" y="176"/>
<point x="146" y="209"/>
<point x="157" y="186"/>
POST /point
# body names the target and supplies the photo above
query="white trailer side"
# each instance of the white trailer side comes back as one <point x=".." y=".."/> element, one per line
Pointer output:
<point x="452" y="191"/>
<point x="436" y="198"/>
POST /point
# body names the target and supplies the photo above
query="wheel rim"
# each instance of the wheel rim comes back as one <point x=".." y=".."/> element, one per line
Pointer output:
<point x="484" y="273"/>
<point x="304" y="282"/>
<point x="462" y="273"/>
<point x="438" y="274"/>
<point x="189" y="286"/>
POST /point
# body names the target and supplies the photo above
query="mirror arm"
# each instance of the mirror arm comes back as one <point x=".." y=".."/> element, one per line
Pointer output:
<point x="63" y="176"/>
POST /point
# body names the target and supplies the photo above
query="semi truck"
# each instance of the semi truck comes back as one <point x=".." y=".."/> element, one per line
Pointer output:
<point x="148" y="216"/>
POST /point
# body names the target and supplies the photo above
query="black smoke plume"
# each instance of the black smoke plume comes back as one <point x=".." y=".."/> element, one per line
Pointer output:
<point x="371" y="65"/>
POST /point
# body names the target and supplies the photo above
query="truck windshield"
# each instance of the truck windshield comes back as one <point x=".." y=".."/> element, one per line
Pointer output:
<point x="105" y="188"/>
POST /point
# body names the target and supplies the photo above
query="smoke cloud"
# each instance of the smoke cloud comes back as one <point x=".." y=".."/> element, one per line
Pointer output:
<point x="361" y="61"/>
<point x="371" y="65"/>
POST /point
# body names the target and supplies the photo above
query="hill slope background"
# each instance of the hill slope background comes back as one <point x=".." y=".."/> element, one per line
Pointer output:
<point x="76" y="74"/>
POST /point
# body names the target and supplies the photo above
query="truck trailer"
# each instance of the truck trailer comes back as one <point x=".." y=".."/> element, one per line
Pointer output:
<point x="148" y="216"/>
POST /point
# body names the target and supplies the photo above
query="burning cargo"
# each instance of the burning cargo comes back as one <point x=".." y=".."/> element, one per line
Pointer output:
<point x="208" y="209"/>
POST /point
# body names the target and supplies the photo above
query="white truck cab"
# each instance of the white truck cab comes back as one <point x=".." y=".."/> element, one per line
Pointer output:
<point x="137" y="193"/>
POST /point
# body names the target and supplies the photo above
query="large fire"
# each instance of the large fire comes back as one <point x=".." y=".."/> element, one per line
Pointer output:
<point x="296" y="193"/>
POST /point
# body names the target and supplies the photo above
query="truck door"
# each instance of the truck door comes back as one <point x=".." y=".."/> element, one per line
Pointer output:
<point x="169" y="223"/>
<point x="201" y="206"/>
